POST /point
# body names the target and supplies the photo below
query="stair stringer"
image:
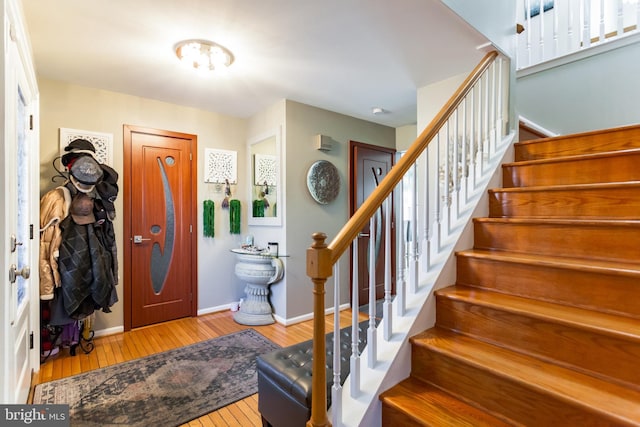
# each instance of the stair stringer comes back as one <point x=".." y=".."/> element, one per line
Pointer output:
<point x="394" y="356"/>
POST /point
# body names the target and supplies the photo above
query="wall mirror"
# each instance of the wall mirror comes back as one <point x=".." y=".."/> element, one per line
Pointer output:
<point x="264" y="158"/>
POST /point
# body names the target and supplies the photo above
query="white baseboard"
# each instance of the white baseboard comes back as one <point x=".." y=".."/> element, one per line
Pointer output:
<point x="108" y="331"/>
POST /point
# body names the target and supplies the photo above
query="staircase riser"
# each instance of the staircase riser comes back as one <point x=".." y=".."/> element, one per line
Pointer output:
<point x="598" y="241"/>
<point x="619" y="139"/>
<point x="544" y="338"/>
<point x="621" y="168"/>
<point x="498" y="394"/>
<point x="603" y="292"/>
<point x="620" y="203"/>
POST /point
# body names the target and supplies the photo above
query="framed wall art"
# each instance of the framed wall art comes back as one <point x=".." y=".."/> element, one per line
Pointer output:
<point x="220" y="166"/>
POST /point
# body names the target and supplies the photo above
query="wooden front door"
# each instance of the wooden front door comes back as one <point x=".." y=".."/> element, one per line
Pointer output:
<point x="369" y="165"/>
<point x="160" y="217"/>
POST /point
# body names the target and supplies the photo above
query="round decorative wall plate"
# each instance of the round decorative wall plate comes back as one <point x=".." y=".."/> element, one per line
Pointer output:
<point x="323" y="181"/>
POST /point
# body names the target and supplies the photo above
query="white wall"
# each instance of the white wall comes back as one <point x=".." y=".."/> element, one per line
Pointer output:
<point x="595" y="92"/>
<point x="495" y="19"/>
<point x="71" y="106"/>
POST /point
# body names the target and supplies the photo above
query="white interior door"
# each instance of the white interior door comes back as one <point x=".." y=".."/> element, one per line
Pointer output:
<point x="20" y="159"/>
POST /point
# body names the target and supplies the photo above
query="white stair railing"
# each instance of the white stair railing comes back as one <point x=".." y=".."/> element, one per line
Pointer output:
<point x="555" y="28"/>
<point x="459" y="156"/>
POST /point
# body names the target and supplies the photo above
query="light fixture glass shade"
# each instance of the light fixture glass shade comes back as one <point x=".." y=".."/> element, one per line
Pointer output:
<point x="204" y="54"/>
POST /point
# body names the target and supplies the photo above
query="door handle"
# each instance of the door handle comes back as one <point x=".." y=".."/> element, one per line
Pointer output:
<point x="24" y="272"/>
<point x="137" y="239"/>
<point x="363" y="234"/>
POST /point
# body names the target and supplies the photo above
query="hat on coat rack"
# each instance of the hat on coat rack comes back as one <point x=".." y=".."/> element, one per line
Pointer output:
<point x="85" y="173"/>
<point x="77" y="148"/>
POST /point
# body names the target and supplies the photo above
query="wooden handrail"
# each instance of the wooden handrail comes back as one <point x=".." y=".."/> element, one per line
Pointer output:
<point x="355" y="224"/>
<point x="321" y="257"/>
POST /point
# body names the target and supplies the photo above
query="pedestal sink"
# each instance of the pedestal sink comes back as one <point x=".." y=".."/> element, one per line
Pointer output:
<point x="258" y="270"/>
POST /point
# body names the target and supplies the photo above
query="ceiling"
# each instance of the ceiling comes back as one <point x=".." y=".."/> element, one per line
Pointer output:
<point x="347" y="56"/>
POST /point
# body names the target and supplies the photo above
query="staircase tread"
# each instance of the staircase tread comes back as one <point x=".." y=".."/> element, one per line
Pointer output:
<point x="569" y="187"/>
<point x="571" y="386"/>
<point x="572" y="157"/>
<point x="429" y="405"/>
<point x="613" y="130"/>
<point x="596" y="265"/>
<point x="562" y="221"/>
<point x="603" y="323"/>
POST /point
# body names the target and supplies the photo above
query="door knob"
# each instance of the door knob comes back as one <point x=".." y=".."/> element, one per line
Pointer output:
<point x="25" y="272"/>
<point x="138" y="239"/>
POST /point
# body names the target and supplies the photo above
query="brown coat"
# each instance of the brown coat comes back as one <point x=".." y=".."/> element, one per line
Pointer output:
<point x="54" y="207"/>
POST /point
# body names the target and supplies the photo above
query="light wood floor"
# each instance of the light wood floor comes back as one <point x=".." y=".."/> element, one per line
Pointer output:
<point x="166" y="336"/>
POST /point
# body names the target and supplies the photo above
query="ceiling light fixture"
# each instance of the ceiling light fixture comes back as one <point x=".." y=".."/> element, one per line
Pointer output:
<point x="203" y="54"/>
<point x="377" y="110"/>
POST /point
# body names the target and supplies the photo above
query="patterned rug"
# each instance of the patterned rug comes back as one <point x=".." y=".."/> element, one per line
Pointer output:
<point x="165" y="389"/>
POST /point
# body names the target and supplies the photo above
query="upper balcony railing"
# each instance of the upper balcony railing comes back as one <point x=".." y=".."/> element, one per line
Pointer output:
<point x="444" y="172"/>
<point x="549" y="29"/>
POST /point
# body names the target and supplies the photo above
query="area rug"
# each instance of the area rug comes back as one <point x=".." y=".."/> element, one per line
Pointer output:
<point x="165" y="389"/>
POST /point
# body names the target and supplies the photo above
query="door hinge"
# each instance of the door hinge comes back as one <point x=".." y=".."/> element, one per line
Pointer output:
<point x="31" y="341"/>
<point x="30" y="121"/>
<point x="190" y="156"/>
<point x="190" y="228"/>
<point x="30" y="231"/>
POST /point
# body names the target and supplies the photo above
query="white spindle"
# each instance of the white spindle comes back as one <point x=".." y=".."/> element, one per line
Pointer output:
<point x="457" y="157"/>
<point x="586" y="24"/>
<point x="570" y="37"/>
<point x="499" y="89"/>
<point x="637" y="6"/>
<point x="602" y="33"/>
<point x="556" y="49"/>
<point x="541" y="21"/>
<point x="446" y="189"/>
<point x="371" y="331"/>
<point x="620" y="18"/>
<point x="336" y="389"/>
<point x="528" y="30"/>
<point x="485" y="122"/>
<point x="355" y="330"/>
<point x="465" y="151"/>
<point x="386" y="306"/>
<point x="413" y="227"/>
<point x="438" y="200"/>
<point x="402" y="258"/>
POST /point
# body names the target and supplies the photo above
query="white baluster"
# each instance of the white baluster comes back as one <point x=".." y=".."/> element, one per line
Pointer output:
<point x="402" y="254"/>
<point x="637" y="15"/>
<point x="570" y="38"/>
<point x="541" y="41"/>
<point x="586" y="29"/>
<point x="336" y="389"/>
<point x="386" y="306"/>
<point x="465" y="151"/>
<point x="620" y="18"/>
<point x="602" y="33"/>
<point x="528" y="30"/>
<point x="371" y="331"/>
<point x="355" y="330"/>
<point x="556" y="12"/>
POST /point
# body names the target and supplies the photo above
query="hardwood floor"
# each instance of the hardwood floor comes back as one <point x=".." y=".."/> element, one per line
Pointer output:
<point x="166" y="336"/>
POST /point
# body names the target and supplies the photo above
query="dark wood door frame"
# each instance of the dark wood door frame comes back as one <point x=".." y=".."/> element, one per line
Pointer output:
<point x="127" y="232"/>
<point x="353" y="202"/>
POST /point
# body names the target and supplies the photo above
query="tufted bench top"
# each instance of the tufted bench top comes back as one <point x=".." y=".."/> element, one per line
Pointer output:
<point x="289" y="370"/>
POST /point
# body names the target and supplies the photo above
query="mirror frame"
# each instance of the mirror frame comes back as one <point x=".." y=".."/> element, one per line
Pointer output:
<point x="265" y="221"/>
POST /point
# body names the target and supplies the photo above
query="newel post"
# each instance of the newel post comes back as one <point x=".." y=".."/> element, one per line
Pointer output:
<point x="319" y="269"/>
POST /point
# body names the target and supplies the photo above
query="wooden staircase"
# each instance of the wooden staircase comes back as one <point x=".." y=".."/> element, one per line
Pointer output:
<point x="542" y="327"/>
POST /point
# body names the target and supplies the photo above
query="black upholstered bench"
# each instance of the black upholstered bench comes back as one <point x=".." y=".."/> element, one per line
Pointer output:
<point x="284" y="379"/>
